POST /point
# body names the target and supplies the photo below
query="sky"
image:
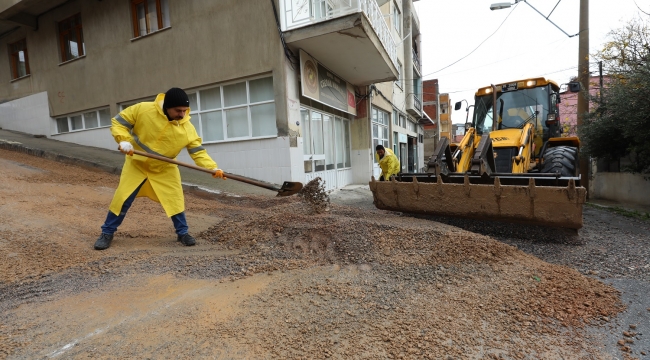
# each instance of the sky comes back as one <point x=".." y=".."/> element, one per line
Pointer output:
<point x="525" y="44"/>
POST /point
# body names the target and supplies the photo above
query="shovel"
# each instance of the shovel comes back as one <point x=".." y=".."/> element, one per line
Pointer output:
<point x="288" y="188"/>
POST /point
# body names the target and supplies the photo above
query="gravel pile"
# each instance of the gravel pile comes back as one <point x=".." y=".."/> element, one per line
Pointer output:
<point x="407" y="288"/>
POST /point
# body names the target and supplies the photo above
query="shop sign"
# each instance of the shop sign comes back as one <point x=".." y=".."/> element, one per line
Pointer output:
<point x="322" y="85"/>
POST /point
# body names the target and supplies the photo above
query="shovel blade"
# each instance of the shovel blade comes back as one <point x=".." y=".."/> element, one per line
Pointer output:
<point x="289" y="188"/>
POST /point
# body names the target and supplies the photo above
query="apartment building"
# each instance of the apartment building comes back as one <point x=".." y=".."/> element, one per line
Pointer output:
<point x="279" y="89"/>
<point x="397" y="114"/>
<point x="430" y="107"/>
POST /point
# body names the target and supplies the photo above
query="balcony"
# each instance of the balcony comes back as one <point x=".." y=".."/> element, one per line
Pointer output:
<point x="23" y="13"/>
<point x="350" y="37"/>
<point x="414" y="105"/>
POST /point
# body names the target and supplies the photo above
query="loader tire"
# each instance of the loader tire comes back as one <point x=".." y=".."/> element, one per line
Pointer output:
<point x="561" y="159"/>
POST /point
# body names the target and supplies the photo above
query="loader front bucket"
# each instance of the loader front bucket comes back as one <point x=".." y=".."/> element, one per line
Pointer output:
<point x="553" y="206"/>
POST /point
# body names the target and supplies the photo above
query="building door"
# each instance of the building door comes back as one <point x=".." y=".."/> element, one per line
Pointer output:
<point x="413" y="154"/>
<point x="403" y="157"/>
<point x="380" y="121"/>
<point x="326" y="148"/>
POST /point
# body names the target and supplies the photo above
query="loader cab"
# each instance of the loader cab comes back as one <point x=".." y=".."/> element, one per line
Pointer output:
<point x="517" y="104"/>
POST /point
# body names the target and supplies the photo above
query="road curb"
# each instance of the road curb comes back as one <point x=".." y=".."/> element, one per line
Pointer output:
<point x="50" y="155"/>
<point x="91" y="165"/>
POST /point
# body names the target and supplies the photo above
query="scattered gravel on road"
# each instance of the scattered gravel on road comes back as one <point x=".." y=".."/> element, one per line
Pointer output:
<point x="315" y="195"/>
<point x="346" y="283"/>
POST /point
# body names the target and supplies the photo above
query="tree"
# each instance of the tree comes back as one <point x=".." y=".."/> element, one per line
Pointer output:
<point x="620" y="125"/>
<point x="628" y="48"/>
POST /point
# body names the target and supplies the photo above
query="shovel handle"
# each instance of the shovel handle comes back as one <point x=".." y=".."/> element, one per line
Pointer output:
<point x="227" y="175"/>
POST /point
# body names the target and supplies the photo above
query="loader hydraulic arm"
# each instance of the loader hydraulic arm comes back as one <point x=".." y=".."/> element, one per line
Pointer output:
<point x="521" y="162"/>
<point x="462" y="157"/>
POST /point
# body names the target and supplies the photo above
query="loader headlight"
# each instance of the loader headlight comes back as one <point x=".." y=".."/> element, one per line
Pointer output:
<point x="488" y="91"/>
<point x="531" y="83"/>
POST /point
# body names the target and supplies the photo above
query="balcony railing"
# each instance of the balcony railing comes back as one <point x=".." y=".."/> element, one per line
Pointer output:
<point x="416" y="61"/>
<point x="300" y="13"/>
<point x="417" y="102"/>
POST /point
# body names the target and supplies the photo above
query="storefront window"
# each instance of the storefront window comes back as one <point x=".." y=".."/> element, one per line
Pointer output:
<point x="326" y="141"/>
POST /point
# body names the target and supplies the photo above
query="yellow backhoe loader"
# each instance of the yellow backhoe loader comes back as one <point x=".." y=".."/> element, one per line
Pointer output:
<point x="512" y="164"/>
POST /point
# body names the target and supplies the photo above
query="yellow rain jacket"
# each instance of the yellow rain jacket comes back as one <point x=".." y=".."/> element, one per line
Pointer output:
<point x="146" y="127"/>
<point x="389" y="164"/>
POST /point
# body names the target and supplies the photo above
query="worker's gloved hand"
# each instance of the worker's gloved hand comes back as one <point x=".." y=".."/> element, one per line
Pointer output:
<point x="126" y="147"/>
<point x="218" y="173"/>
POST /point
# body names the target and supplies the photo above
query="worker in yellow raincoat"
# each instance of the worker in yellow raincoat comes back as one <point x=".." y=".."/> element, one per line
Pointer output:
<point x="388" y="163"/>
<point x="161" y="127"/>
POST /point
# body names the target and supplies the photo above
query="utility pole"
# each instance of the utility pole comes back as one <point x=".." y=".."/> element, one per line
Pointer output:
<point x="583" y="78"/>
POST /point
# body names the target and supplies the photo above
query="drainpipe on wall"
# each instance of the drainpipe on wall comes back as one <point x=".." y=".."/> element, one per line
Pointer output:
<point x="408" y="53"/>
<point x="372" y="149"/>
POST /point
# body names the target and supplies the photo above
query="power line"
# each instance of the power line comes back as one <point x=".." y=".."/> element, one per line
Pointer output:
<point x="479" y="45"/>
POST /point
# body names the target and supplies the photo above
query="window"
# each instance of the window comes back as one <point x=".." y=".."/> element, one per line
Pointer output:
<point x="88" y="120"/>
<point x="321" y="9"/>
<point x="235" y="111"/>
<point x="398" y="82"/>
<point x="149" y="16"/>
<point x="396" y="143"/>
<point x="397" y="19"/>
<point x="326" y="141"/>
<point x="19" y="59"/>
<point x="411" y="126"/>
<point x="395" y="118"/>
<point x="71" y="38"/>
<point x="127" y="104"/>
<point x="402" y="121"/>
<point x="379" y="129"/>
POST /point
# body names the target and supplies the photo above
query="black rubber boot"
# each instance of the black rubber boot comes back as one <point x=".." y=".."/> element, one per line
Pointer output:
<point x="103" y="241"/>
<point x="187" y="240"/>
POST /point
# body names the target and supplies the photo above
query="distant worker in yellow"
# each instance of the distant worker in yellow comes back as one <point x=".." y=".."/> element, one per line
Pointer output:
<point x="388" y="163"/>
<point x="161" y="127"/>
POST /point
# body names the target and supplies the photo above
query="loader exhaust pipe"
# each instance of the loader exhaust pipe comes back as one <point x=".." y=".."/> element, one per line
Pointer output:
<point x="494" y="107"/>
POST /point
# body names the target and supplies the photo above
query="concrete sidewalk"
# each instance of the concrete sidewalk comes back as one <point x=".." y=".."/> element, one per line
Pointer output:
<point x="641" y="209"/>
<point x="112" y="160"/>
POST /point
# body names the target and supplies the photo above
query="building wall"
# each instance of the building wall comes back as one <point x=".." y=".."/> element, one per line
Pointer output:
<point x="621" y="187"/>
<point x="430" y="107"/>
<point x="29" y="114"/>
<point x="569" y="107"/>
<point x="203" y="46"/>
<point x="208" y="43"/>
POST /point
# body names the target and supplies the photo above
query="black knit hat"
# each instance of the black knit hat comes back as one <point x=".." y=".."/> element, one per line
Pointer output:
<point x="175" y="97"/>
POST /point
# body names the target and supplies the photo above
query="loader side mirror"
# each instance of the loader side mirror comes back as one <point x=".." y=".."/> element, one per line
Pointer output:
<point x="458" y="105"/>
<point x="574" y="86"/>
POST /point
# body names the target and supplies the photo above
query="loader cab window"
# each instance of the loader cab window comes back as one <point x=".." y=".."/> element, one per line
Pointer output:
<point x="514" y="109"/>
<point x="483" y="114"/>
